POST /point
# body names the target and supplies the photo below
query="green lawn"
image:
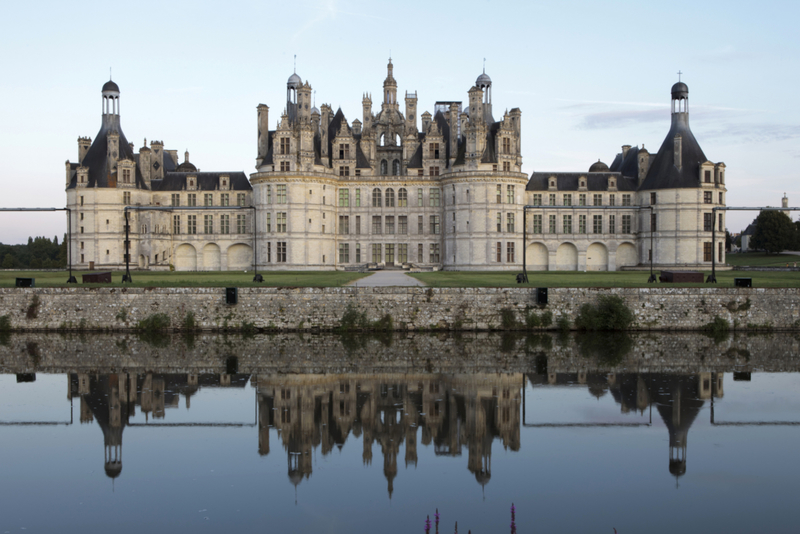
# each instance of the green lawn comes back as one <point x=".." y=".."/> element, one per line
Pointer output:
<point x="192" y="279"/>
<point x="595" y="279"/>
<point x="761" y="259"/>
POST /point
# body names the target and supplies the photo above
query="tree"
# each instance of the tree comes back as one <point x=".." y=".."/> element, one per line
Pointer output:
<point x="9" y="262"/>
<point x="774" y="233"/>
<point x="728" y="240"/>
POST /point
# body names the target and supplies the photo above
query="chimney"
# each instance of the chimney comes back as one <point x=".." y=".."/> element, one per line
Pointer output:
<point x="263" y="133"/>
<point x="83" y="147"/>
<point x="625" y="149"/>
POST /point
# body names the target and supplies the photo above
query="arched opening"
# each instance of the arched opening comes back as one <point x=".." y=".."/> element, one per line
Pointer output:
<point x="537" y="257"/>
<point x="382" y="140"/>
<point x="376" y="198"/>
<point x="626" y="255"/>
<point x="240" y="257"/>
<point x="211" y="257"/>
<point x="390" y="198"/>
<point x="185" y="258"/>
<point x="384" y="167"/>
<point x="396" y="168"/>
<point x="567" y="257"/>
<point x="597" y="257"/>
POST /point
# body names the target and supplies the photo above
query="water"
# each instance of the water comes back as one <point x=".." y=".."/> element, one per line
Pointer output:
<point x="322" y="434"/>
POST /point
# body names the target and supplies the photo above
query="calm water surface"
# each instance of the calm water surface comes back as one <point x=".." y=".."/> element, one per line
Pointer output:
<point x="148" y="441"/>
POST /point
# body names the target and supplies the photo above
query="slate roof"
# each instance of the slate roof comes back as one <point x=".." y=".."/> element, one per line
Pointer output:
<point x="96" y="159"/>
<point x="206" y="181"/>
<point x="663" y="173"/>
<point x="568" y="181"/>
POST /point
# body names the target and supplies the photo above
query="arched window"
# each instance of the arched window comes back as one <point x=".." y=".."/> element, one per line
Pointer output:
<point x="376" y="198"/>
<point x="384" y="167"/>
<point x="382" y="140"/>
<point x="390" y="198"/>
<point x="396" y="167"/>
<point x="402" y="198"/>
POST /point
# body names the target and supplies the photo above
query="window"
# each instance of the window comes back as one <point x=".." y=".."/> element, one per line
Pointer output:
<point x="537" y="224"/>
<point x="506" y="145"/>
<point x="720" y="198"/>
<point x="653" y="226"/>
<point x="708" y="221"/>
<point x="402" y="253"/>
<point x="344" y="198"/>
<point x="652" y="198"/>
<point x="358" y="224"/>
<point x="224" y="199"/>
<point x="280" y="193"/>
<point x="567" y="224"/>
<point x="376" y="224"/>
<point x="225" y="224"/>
<point x="435" y="225"/>
<point x="396" y="168"/>
<point x="390" y="198"/>
<point x="126" y="199"/>
<point x="597" y="200"/>
<point x="626" y="200"/>
<point x="707" y="251"/>
<point x="612" y="224"/>
<point x="269" y="194"/>
<point x="708" y="197"/>
<point x="344" y="170"/>
<point x="358" y="252"/>
<point x="506" y="166"/>
<point x="402" y="225"/>
<point x="499" y="222"/>
<point x="567" y="199"/>
<point x="434" y="150"/>
<point x="344" y="252"/>
<point x="597" y="224"/>
<point x="376" y="253"/>
<point x="581" y="224"/>
<point x="208" y="224"/>
<point x="280" y="252"/>
<point x="191" y="224"/>
<point x="626" y="224"/>
<point x="389" y="226"/>
<point x="191" y="200"/>
<point x="176" y="199"/>
<point x="612" y="200"/>
<point x="402" y="198"/>
<point x="241" y="224"/>
<point x="81" y="215"/>
<point x="582" y="199"/>
<point x="510" y="194"/>
<point x="344" y="225"/>
<point x="358" y="172"/>
<point x="552" y="199"/>
<point x="284" y="146"/>
<point x="434" y="197"/>
<point x="280" y="222"/>
<point x="419" y="198"/>
<point x="420" y="253"/>
<point x="719" y="252"/>
<point x="537" y="199"/>
<point x="389" y="254"/>
<point x="126" y="176"/>
<point x="420" y="172"/>
<point x="176" y="224"/>
<point x="376" y="198"/>
<point x="434" y="253"/>
<point x="552" y="224"/>
<point x="721" y="226"/>
<point x="384" y="167"/>
<point x="510" y="222"/>
<point x="707" y="176"/>
<point x="358" y="198"/>
<point x="434" y="171"/>
<point x="208" y="199"/>
<point x="499" y="252"/>
<point x="499" y="193"/>
<point x="344" y="151"/>
<point x="269" y="222"/>
<point x="510" y="252"/>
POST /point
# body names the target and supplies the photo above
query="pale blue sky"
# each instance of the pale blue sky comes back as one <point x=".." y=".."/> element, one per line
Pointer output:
<point x="588" y="77"/>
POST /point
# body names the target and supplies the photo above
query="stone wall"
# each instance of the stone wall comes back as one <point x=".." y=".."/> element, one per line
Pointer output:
<point x="310" y="309"/>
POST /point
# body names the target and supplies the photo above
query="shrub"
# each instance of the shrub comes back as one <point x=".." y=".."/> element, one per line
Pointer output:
<point x="188" y="321"/>
<point x="154" y="323"/>
<point x="352" y="319"/>
<point x="5" y="323"/>
<point x="563" y="324"/>
<point x="122" y="315"/>
<point x="532" y="320"/>
<point x="33" y="308"/>
<point x="718" y="329"/>
<point x="609" y="313"/>
<point x="507" y="319"/>
<point x="547" y="318"/>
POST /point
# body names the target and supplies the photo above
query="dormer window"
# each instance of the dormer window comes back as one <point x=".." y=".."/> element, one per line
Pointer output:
<point x="191" y="183"/>
<point x="552" y="183"/>
<point x="583" y="184"/>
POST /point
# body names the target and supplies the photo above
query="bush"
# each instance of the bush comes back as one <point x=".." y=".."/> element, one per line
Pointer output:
<point x="508" y="320"/>
<point x="33" y="308"/>
<point x="563" y="324"/>
<point x="609" y="313"/>
<point x="188" y="321"/>
<point x="154" y="323"/>
<point x="5" y="323"/>
<point x="718" y="329"/>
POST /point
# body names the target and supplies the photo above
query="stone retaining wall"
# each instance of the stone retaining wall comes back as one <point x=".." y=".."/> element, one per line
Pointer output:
<point x="410" y="308"/>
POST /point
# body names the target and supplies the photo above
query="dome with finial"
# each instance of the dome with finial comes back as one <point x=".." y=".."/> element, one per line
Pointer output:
<point x="680" y="90"/>
<point x="186" y="166"/>
<point x="598" y="167"/>
<point x="294" y="80"/>
<point x="483" y="80"/>
<point x="110" y="87"/>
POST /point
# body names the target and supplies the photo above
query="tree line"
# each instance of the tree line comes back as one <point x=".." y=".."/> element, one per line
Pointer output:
<point x="37" y="253"/>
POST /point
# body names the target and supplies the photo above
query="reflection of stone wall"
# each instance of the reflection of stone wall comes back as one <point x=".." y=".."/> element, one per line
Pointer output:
<point x="400" y="353"/>
<point x="410" y="308"/>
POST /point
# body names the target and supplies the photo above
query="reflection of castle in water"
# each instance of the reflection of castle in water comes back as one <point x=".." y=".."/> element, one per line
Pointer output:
<point x="111" y="399"/>
<point x="678" y="399"/>
<point x="452" y="412"/>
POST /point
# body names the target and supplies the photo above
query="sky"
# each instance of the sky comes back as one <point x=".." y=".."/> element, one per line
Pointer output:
<point x="588" y="76"/>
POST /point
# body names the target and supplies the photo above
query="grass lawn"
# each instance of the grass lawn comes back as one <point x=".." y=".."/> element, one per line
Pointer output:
<point x="594" y="279"/>
<point x="191" y="279"/>
<point x="761" y="259"/>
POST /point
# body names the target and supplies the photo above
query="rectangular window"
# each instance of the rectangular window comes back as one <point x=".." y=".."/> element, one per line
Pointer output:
<point x="435" y="224"/>
<point x="284" y="145"/>
<point x="208" y="199"/>
<point x="285" y="166"/>
<point x="358" y="198"/>
<point x="280" y="252"/>
<point x="552" y="199"/>
<point x="567" y="199"/>
<point x="389" y="226"/>
<point x="708" y="197"/>
<point x="191" y="224"/>
<point x="612" y="200"/>
<point x="176" y="199"/>
<point x="389" y="254"/>
<point x="344" y="224"/>
<point x="434" y="197"/>
<point x="707" y="176"/>
<point x="269" y="252"/>
<point x="626" y="224"/>
<point x="567" y="224"/>
<point x="344" y="252"/>
<point x="241" y="224"/>
<point x="612" y="224"/>
<point x="537" y="224"/>
<point x="434" y="253"/>
<point x="582" y="199"/>
<point x="358" y="224"/>
<point x="506" y="145"/>
<point x="269" y="194"/>
<point x="269" y="222"/>
<point x="280" y="193"/>
<point x="344" y="170"/>
<point x="224" y="199"/>
<point x="191" y="200"/>
<point x="510" y="194"/>
<point x="434" y="171"/>
<point x="552" y="224"/>
<point x="720" y="198"/>
<point x="708" y="219"/>
<point x="126" y="199"/>
<point x="376" y="225"/>
<point x="240" y="199"/>
<point x="402" y="198"/>
<point x="499" y="222"/>
<point x="126" y="176"/>
<point x="653" y="225"/>
<point x="652" y="199"/>
<point x="707" y="251"/>
<point x="358" y="252"/>
<point x="434" y="150"/>
<point x="402" y="253"/>
<point x="344" y="198"/>
<point x="420" y="226"/>
<point x="499" y="193"/>
<point x="597" y="224"/>
<point x="376" y="253"/>
<point x="224" y="224"/>
<point x="176" y="224"/>
<point x="344" y="151"/>
<point x="510" y="252"/>
<point x="510" y="222"/>
<point x="402" y="224"/>
<point x="626" y="200"/>
<point x="581" y="224"/>
<point x="506" y="166"/>
<point x="498" y="252"/>
<point x="721" y="226"/>
<point x="208" y="224"/>
<point x="537" y="199"/>
<point x="280" y="222"/>
<point x="597" y="200"/>
<point x="419" y="197"/>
